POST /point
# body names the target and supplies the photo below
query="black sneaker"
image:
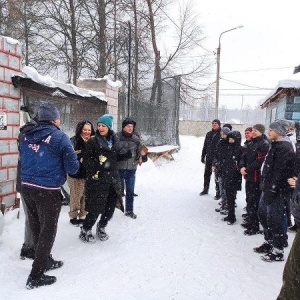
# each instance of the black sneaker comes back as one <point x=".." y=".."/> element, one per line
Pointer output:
<point x="86" y="236"/>
<point x="275" y="255"/>
<point x="217" y="197"/>
<point x="229" y="221"/>
<point x="130" y="214"/>
<point x="74" y="222"/>
<point x="224" y="211"/>
<point x="27" y="253"/>
<point x="250" y="231"/>
<point x="53" y="264"/>
<point x="293" y="228"/>
<point x="44" y="280"/>
<point x="204" y="192"/>
<point x="264" y="248"/>
<point x="102" y="235"/>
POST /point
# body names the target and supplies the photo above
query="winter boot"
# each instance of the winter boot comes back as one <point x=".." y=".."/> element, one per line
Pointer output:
<point x="53" y="264"/>
<point x="251" y="231"/>
<point x="204" y="192"/>
<point x="217" y="197"/>
<point x="264" y="248"/>
<point x="230" y="221"/>
<point x="86" y="236"/>
<point x="293" y="228"/>
<point x="74" y="222"/>
<point x="130" y="214"/>
<point x="274" y="255"/>
<point x="102" y="235"/>
<point x="27" y="253"/>
<point x="44" y="280"/>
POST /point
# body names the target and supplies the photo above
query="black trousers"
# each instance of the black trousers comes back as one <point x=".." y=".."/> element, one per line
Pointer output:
<point x="43" y="211"/>
<point x="230" y="197"/>
<point x="207" y="175"/>
<point x="253" y="195"/>
<point x="110" y="206"/>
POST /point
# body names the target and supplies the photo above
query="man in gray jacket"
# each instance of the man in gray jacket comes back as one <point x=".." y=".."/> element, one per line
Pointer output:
<point x="127" y="169"/>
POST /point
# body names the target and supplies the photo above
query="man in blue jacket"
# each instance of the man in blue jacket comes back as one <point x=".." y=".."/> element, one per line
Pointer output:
<point x="47" y="155"/>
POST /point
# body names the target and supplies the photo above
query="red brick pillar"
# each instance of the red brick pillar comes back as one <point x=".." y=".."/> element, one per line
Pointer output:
<point x="10" y="64"/>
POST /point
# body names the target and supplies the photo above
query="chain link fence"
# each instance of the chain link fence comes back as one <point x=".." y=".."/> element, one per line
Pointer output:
<point x="157" y="123"/>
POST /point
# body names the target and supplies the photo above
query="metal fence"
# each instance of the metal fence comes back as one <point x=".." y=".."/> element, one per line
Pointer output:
<point x="157" y="123"/>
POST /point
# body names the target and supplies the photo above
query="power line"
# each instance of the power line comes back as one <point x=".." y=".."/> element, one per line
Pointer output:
<point x="255" y="87"/>
<point x="256" y="70"/>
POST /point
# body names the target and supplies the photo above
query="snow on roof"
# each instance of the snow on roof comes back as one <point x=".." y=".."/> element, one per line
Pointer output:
<point x="115" y="84"/>
<point x="292" y="82"/>
<point x="11" y="40"/>
<point x="50" y="82"/>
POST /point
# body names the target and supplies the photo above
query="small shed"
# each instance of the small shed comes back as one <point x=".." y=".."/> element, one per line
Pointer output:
<point x="283" y="102"/>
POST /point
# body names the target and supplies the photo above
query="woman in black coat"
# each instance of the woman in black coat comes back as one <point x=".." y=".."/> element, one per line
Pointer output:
<point x="84" y="130"/>
<point x="232" y="178"/>
<point x="102" y="187"/>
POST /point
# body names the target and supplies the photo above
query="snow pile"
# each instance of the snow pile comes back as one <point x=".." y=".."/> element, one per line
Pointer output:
<point x="177" y="248"/>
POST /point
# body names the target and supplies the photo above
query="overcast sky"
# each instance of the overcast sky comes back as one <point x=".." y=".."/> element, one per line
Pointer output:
<point x="265" y="50"/>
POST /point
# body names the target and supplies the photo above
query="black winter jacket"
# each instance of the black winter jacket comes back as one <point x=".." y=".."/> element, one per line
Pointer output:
<point x="231" y="176"/>
<point x="210" y="144"/>
<point x="253" y="157"/>
<point x="222" y="148"/>
<point x="295" y="203"/>
<point x="79" y="146"/>
<point x="278" y="167"/>
<point x="102" y="178"/>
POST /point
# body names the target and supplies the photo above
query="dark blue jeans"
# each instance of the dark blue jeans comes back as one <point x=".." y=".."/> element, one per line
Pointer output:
<point x="129" y="177"/>
<point x="273" y="220"/>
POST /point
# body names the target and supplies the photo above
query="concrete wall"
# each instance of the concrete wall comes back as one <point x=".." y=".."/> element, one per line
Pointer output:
<point x="10" y="64"/>
<point x="200" y="128"/>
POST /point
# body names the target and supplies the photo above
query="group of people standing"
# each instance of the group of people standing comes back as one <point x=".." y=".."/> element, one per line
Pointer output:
<point x="270" y="166"/>
<point x="92" y="161"/>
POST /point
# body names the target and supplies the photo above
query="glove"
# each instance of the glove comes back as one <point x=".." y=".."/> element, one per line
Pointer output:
<point x="203" y="159"/>
<point x="269" y="197"/>
<point x="144" y="158"/>
<point x="125" y="156"/>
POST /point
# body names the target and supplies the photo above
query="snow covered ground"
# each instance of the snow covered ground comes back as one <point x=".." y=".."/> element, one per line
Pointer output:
<point x="177" y="248"/>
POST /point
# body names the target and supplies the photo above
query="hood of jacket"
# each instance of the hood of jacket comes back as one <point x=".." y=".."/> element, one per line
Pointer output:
<point x="37" y="134"/>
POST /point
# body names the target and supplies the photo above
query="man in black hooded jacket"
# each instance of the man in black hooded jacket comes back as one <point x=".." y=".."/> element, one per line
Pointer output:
<point x="208" y="154"/>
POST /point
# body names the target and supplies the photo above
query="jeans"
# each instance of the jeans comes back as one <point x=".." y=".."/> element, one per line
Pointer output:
<point x="129" y="177"/>
<point x="273" y="220"/>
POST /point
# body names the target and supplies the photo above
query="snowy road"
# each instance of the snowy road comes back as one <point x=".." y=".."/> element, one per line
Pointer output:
<point x="177" y="248"/>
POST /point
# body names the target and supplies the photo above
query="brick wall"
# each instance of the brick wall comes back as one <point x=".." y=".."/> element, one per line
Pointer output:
<point x="111" y="95"/>
<point x="10" y="64"/>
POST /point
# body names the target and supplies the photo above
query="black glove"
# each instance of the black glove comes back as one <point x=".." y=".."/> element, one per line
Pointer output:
<point x="144" y="158"/>
<point x="203" y="159"/>
<point x="125" y="156"/>
<point x="269" y="197"/>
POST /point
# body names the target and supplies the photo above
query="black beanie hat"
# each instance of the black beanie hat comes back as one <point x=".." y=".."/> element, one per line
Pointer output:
<point x="228" y="126"/>
<point x="217" y="121"/>
<point x="128" y="121"/>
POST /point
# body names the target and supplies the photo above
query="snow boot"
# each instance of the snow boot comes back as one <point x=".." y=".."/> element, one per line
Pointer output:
<point x="251" y="231"/>
<point x="130" y="214"/>
<point x="27" y="253"/>
<point x="229" y="220"/>
<point x="204" y="192"/>
<point x="264" y="248"/>
<point x="74" y="222"/>
<point x="44" y="280"/>
<point x="102" y="235"/>
<point x="274" y="255"/>
<point x="53" y="264"/>
<point x="86" y="236"/>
